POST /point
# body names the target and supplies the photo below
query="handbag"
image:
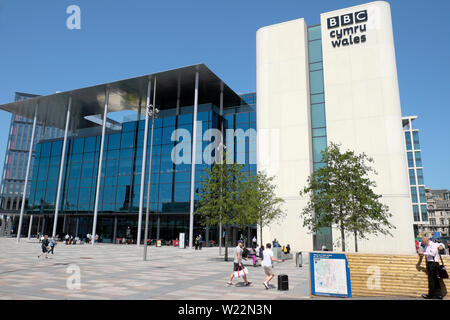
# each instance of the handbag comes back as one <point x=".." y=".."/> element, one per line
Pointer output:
<point x="241" y="272"/>
<point x="442" y="271"/>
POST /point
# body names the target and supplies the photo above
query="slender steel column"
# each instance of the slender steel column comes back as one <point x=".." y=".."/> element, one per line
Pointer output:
<point x="29" y="227"/>
<point x="25" y="184"/>
<point x="115" y="230"/>
<point x="221" y="159"/>
<point x="99" y="173"/>
<point x="61" y="167"/>
<point x="193" y="151"/>
<point x="147" y="209"/>
<point x="144" y="163"/>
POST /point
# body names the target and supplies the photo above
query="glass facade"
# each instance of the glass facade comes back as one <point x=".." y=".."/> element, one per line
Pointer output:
<point x="318" y="120"/>
<point x="16" y="157"/>
<point x="121" y="171"/>
<point x="415" y="169"/>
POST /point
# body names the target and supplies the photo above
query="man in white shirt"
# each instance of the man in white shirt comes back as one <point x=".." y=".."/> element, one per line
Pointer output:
<point x="267" y="264"/>
<point x="430" y="252"/>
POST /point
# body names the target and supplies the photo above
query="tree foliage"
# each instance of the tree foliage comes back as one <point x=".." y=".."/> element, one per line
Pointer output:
<point x="341" y="194"/>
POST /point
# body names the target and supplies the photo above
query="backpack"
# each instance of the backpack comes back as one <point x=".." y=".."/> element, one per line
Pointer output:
<point x="245" y="253"/>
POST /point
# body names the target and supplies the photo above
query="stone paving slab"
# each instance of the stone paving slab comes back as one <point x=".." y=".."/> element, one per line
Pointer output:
<point x="117" y="272"/>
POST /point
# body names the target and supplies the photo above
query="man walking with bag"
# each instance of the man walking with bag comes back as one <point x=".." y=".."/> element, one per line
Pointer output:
<point x="267" y="264"/>
<point x="237" y="265"/>
<point x="431" y="254"/>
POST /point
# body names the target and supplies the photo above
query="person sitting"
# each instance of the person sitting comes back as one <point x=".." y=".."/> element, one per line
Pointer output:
<point x="288" y="249"/>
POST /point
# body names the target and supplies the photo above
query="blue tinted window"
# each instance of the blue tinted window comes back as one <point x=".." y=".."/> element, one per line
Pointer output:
<point x="410" y="160"/>
<point x="167" y="134"/>
<point x="412" y="177"/>
<point x="78" y="145"/>
<point x="315" y="66"/>
<point x="416" y="213"/>
<point x="242" y="117"/>
<point x="129" y="126"/>
<point x="318" y="115"/>
<point x="89" y="145"/>
<point x="408" y="140"/>
<point x="114" y="141"/>
<point x="57" y="148"/>
<point x="127" y="140"/>
<point x="45" y="151"/>
<point x="319" y="132"/>
<point x="185" y="118"/>
<point x="422" y="194"/>
<point x="315" y="51"/>
<point x="416" y="140"/>
<point x="169" y="121"/>
<point x="165" y="193"/>
<point x="420" y="176"/>
<point x="314" y="33"/>
<point x="418" y="159"/>
<point x="204" y="116"/>
<point x="414" y="194"/>
<point x="319" y="144"/>
<point x="423" y="208"/>
<point x="316" y="84"/>
<point x="317" y="98"/>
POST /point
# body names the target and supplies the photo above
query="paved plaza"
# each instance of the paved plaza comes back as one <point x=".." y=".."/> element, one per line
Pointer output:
<point x="117" y="272"/>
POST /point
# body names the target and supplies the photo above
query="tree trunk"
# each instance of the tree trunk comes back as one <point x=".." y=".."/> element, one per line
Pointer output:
<point x="227" y="233"/>
<point x="356" y="241"/>
<point x="260" y="233"/>
<point x="343" y="237"/>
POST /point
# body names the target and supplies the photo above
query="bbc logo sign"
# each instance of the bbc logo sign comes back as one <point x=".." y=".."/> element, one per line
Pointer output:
<point x="347" y="19"/>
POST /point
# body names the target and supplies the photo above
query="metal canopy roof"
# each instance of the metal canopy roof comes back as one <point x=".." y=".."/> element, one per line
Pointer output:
<point x="127" y="95"/>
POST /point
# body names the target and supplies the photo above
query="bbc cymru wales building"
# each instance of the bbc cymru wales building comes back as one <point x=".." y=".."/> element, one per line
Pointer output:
<point x="333" y="82"/>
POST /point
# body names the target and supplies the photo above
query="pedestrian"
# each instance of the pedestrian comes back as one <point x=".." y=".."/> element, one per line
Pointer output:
<point x="431" y="254"/>
<point x="261" y="252"/>
<point x="254" y="242"/>
<point x="52" y="245"/>
<point x="267" y="265"/>
<point x="200" y="241"/>
<point x="196" y="243"/>
<point x="288" y="249"/>
<point x="44" y="247"/>
<point x="253" y="255"/>
<point x="67" y="238"/>
<point x="96" y="239"/>
<point x="237" y="263"/>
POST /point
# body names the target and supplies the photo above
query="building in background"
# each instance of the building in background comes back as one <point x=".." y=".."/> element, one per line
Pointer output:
<point x="438" y="203"/>
<point x="16" y="155"/>
<point x="415" y="169"/>
<point x="119" y="198"/>
<point x="334" y="82"/>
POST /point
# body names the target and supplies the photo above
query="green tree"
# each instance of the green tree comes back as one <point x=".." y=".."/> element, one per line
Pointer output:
<point x="341" y="193"/>
<point x="224" y="197"/>
<point x="265" y="205"/>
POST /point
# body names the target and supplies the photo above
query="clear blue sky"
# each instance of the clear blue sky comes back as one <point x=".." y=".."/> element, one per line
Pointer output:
<point x="121" y="39"/>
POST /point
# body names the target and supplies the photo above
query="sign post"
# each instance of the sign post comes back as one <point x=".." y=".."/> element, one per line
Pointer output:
<point x="330" y="275"/>
<point x="182" y="241"/>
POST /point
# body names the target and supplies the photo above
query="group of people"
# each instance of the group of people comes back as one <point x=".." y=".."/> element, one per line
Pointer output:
<point x="241" y="253"/>
<point x="47" y="246"/>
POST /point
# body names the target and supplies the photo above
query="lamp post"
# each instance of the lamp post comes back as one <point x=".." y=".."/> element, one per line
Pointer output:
<point x="152" y="112"/>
